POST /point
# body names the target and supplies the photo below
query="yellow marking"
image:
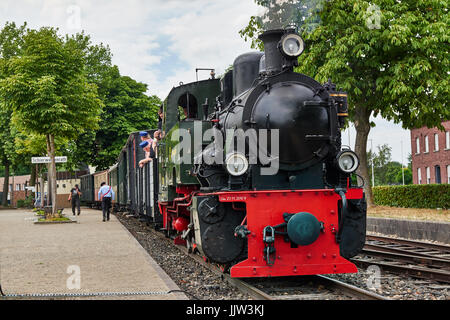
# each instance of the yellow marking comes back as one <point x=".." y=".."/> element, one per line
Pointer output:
<point x="338" y="95"/>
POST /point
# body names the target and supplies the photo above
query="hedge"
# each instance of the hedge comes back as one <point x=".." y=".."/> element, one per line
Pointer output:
<point x="430" y="196"/>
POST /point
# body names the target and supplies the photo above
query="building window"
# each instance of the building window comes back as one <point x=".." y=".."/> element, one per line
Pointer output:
<point x="417" y="145"/>
<point x="427" y="149"/>
<point x="17" y="187"/>
<point x="448" y="174"/>
<point x="447" y="140"/>
<point x="437" y="173"/>
<point x="10" y="188"/>
<point x="419" y="175"/>
<point x="428" y="175"/>
<point x="436" y="142"/>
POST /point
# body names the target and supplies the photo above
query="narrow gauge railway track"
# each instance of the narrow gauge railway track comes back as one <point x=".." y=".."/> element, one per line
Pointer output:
<point x="286" y="288"/>
<point x="406" y="257"/>
<point x="409" y="246"/>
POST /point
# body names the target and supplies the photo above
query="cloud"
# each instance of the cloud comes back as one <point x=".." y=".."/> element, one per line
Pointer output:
<point x="161" y="42"/>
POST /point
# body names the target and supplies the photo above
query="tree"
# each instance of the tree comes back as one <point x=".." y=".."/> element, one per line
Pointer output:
<point x="127" y="109"/>
<point x="390" y="56"/>
<point x="97" y="64"/>
<point x="407" y="174"/>
<point x="386" y="171"/>
<point x="48" y="91"/>
<point x="11" y="42"/>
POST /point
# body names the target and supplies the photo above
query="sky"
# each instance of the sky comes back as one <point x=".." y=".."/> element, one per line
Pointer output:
<point x="162" y="42"/>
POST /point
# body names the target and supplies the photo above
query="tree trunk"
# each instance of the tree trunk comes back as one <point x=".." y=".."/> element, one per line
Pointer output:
<point x="52" y="171"/>
<point x="362" y="125"/>
<point x="33" y="176"/>
<point x="5" y="184"/>
<point x="42" y="190"/>
<point x="49" y="186"/>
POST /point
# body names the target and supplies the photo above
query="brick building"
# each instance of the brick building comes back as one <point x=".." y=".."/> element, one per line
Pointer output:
<point x="431" y="155"/>
<point x="17" y="189"/>
<point x="65" y="182"/>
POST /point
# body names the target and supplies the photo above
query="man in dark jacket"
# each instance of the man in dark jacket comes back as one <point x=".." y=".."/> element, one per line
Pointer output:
<point x="74" y="196"/>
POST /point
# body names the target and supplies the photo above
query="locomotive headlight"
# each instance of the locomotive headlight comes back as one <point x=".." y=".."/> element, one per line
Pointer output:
<point x="236" y="164"/>
<point x="348" y="161"/>
<point x="292" y="45"/>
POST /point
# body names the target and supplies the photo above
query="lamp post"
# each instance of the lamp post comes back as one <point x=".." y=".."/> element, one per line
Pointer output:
<point x="373" y="172"/>
<point x="403" y="171"/>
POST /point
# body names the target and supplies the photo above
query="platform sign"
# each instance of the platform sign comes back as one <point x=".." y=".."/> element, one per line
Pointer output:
<point x="40" y="160"/>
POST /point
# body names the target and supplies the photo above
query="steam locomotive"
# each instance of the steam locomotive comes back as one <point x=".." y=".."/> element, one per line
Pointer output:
<point x="257" y="181"/>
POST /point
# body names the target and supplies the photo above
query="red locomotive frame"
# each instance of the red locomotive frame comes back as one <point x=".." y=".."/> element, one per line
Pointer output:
<point x="266" y="208"/>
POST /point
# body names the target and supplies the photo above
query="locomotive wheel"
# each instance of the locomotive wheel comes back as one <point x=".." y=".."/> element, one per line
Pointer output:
<point x="220" y="244"/>
<point x="210" y="211"/>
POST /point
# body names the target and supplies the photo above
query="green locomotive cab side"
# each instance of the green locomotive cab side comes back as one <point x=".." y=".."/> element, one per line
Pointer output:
<point x="184" y="111"/>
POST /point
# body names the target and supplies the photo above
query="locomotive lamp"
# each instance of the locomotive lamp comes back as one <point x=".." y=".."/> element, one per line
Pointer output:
<point x="292" y="45"/>
<point x="347" y="161"/>
<point x="236" y="164"/>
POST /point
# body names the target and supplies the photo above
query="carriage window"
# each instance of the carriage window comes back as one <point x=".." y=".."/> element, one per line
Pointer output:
<point x="188" y="107"/>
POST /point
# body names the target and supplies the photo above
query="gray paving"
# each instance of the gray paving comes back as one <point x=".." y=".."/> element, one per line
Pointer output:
<point x="45" y="259"/>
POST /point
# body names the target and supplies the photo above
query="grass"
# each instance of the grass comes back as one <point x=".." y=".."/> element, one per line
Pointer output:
<point x="409" y="213"/>
<point x="63" y="219"/>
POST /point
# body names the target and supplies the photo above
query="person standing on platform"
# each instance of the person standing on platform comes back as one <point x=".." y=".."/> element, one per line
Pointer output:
<point x="106" y="196"/>
<point x="74" y="197"/>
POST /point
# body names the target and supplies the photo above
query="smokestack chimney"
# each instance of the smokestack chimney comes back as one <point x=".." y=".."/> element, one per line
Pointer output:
<point x="274" y="58"/>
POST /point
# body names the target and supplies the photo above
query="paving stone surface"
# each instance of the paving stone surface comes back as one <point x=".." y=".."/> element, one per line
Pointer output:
<point x="46" y="259"/>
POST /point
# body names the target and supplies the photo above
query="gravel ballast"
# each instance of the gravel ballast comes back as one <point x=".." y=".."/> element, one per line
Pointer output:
<point x="200" y="283"/>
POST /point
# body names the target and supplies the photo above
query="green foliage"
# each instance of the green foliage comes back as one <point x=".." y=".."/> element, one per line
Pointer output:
<point x="67" y="87"/>
<point x="281" y="14"/>
<point x="60" y="219"/>
<point x="11" y="43"/>
<point x="398" y="69"/>
<point x="127" y="109"/>
<point x="96" y="61"/>
<point x="48" y="90"/>
<point x="27" y="203"/>
<point x="386" y="171"/>
<point x="408" y="176"/>
<point x="414" y="196"/>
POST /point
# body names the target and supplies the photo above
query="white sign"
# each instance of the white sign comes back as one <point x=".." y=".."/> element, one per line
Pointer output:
<point x="32" y="189"/>
<point x="41" y="160"/>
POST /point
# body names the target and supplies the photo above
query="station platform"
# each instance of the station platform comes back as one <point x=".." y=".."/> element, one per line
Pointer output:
<point x="90" y="259"/>
<point x="411" y="229"/>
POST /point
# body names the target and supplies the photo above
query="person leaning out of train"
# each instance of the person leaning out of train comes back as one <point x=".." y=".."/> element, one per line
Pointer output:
<point x="150" y="149"/>
<point x="156" y="138"/>
<point x="160" y="118"/>
<point x="106" y="196"/>
<point x="160" y="122"/>
<point x="146" y="137"/>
